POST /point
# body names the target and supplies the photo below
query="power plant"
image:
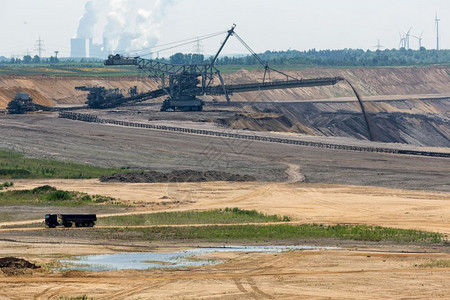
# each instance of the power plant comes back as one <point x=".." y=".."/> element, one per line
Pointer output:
<point x="85" y="48"/>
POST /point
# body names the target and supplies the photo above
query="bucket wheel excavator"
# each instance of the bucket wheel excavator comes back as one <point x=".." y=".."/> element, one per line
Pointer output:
<point x="183" y="84"/>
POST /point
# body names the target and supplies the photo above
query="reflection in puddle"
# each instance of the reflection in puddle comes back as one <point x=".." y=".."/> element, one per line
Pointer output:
<point x="152" y="260"/>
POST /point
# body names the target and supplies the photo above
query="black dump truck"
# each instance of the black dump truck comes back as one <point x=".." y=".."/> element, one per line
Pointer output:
<point x="67" y="220"/>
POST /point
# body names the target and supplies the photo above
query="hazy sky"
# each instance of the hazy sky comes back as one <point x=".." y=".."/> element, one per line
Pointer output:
<point x="263" y="24"/>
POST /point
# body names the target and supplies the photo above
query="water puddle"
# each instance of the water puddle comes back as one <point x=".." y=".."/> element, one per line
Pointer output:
<point x="153" y="260"/>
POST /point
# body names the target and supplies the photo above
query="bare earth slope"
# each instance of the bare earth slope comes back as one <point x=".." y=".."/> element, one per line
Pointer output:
<point x="54" y="90"/>
<point x="369" y="81"/>
<point x="417" y="122"/>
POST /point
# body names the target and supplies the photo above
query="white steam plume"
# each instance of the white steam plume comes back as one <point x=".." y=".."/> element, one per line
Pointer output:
<point x="87" y="21"/>
<point x="129" y="25"/>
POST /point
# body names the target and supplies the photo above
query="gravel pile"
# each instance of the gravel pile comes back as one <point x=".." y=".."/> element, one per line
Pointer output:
<point x="176" y="176"/>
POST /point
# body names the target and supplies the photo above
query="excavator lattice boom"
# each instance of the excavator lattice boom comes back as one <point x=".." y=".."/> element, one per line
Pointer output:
<point x="183" y="83"/>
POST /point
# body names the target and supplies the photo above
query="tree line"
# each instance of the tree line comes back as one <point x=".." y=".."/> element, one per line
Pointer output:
<point x="27" y="59"/>
<point x="327" y="58"/>
<point x="322" y="58"/>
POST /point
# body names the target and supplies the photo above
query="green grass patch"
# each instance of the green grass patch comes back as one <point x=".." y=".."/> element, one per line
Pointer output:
<point x="100" y="70"/>
<point x="219" y="216"/>
<point x="48" y="195"/>
<point x="14" y="165"/>
<point x="254" y="233"/>
<point x="436" y="263"/>
<point x="70" y="69"/>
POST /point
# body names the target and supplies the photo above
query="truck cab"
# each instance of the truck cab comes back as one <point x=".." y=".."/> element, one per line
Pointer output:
<point x="51" y="220"/>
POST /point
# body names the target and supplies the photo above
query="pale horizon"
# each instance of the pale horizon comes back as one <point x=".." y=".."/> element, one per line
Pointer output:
<point x="264" y="25"/>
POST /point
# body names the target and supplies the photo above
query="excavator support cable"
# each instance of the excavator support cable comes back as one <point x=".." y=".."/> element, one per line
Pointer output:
<point x="265" y="64"/>
<point x="177" y="44"/>
<point x="262" y="62"/>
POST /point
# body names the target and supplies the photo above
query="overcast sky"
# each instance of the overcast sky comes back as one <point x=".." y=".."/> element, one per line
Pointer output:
<point x="263" y="24"/>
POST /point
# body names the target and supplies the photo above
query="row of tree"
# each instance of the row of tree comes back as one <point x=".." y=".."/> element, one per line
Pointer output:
<point x="27" y="59"/>
<point x="356" y="57"/>
<point x="338" y="58"/>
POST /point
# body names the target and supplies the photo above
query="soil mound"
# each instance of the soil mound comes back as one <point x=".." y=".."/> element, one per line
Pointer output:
<point x="12" y="266"/>
<point x="176" y="176"/>
<point x="16" y="263"/>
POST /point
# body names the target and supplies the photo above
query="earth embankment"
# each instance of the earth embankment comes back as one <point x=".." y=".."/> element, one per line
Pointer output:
<point x="418" y="116"/>
<point x="59" y="90"/>
<point x="368" y="81"/>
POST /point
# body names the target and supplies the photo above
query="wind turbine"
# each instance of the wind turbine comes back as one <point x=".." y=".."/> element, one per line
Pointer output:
<point x="402" y="43"/>
<point x="437" y="31"/>
<point x="419" y="38"/>
<point x="407" y="38"/>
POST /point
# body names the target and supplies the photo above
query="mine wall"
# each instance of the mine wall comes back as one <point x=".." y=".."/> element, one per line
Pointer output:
<point x="368" y="81"/>
<point x="415" y="122"/>
<point x="412" y="120"/>
<point x="60" y="90"/>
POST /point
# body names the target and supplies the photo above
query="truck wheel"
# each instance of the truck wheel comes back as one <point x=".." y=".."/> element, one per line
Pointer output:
<point x="91" y="224"/>
<point x="67" y="224"/>
<point x="52" y="226"/>
<point x="77" y="224"/>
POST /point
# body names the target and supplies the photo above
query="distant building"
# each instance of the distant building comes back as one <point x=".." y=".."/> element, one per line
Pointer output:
<point x="79" y="48"/>
<point x="85" y="48"/>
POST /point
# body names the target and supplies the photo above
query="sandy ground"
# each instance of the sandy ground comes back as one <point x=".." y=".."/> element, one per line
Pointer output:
<point x="304" y="203"/>
<point x="356" y="271"/>
<point x="352" y="273"/>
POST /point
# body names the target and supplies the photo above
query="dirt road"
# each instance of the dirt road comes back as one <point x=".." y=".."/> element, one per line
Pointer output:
<point x="50" y="137"/>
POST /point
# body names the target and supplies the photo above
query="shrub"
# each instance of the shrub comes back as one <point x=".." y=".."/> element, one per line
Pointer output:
<point x="43" y="189"/>
<point x="14" y="172"/>
<point x="86" y="198"/>
<point x="58" y="195"/>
